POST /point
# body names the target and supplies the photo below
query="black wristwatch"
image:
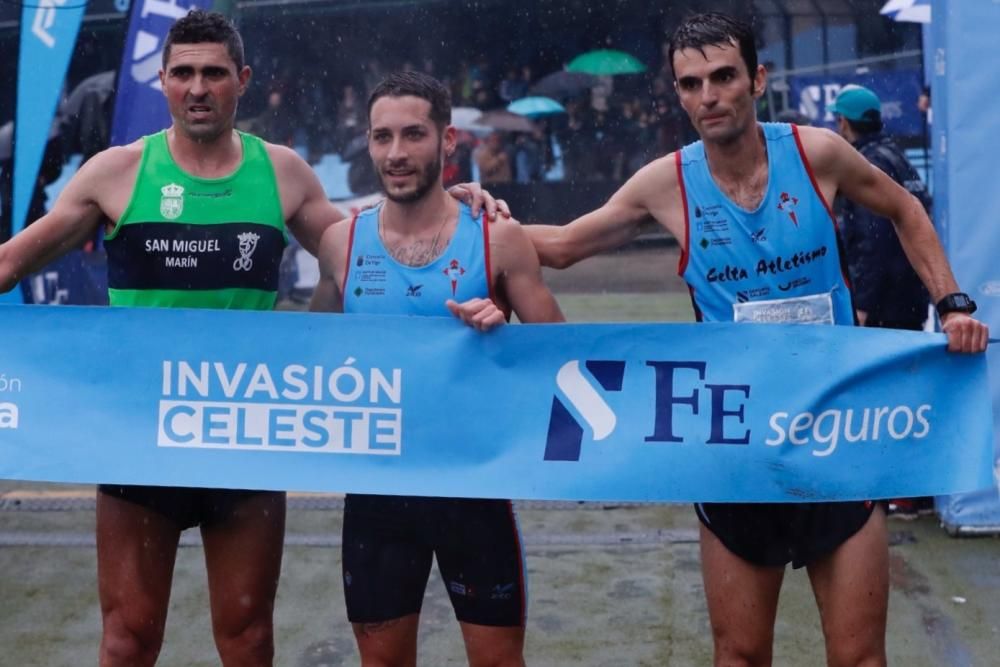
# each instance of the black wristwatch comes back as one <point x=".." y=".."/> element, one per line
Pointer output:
<point x="958" y="302"/>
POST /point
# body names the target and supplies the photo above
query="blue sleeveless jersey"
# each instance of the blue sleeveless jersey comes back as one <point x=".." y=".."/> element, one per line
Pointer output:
<point x="778" y="263"/>
<point x="378" y="284"/>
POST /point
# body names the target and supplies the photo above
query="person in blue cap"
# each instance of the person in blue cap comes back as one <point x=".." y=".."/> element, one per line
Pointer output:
<point x="887" y="291"/>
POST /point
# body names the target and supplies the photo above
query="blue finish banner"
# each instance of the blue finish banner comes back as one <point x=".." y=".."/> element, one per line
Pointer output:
<point x="139" y="104"/>
<point x="48" y="35"/>
<point x="425" y="406"/>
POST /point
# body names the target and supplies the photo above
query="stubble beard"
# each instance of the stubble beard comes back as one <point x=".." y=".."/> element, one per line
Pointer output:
<point x="426" y="178"/>
<point x="205" y="132"/>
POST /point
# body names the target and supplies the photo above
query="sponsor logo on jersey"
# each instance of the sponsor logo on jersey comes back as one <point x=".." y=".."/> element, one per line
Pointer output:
<point x="171" y="201"/>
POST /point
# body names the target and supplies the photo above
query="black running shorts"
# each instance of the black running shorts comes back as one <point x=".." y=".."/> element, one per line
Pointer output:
<point x="389" y="542"/>
<point x="773" y="534"/>
<point x="184" y="506"/>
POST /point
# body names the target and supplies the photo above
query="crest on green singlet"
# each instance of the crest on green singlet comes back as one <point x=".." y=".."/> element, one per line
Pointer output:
<point x="172" y="201"/>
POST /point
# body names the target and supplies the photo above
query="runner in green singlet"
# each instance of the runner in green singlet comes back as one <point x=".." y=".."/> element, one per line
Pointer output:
<point x="200" y="214"/>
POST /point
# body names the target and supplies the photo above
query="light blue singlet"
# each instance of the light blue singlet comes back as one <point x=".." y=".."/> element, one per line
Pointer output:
<point x="778" y="263"/>
<point x="378" y="284"/>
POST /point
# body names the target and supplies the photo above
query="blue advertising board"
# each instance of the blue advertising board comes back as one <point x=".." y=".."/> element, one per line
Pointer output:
<point x="897" y="89"/>
<point x="964" y="152"/>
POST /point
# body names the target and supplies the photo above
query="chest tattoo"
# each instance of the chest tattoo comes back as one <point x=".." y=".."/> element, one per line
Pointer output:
<point x="419" y="252"/>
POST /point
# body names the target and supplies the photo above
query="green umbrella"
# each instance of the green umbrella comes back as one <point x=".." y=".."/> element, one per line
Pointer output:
<point x="606" y="61"/>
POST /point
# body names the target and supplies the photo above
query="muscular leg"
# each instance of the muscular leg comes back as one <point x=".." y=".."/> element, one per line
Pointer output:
<point x="490" y="646"/>
<point x="388" y="643"/>
<point x="385" y="565"/>
<point x="742" y="603"/>
<point x="243" y="558"/>
<point x="852" y="591"/>
<point x="136" y="548"/>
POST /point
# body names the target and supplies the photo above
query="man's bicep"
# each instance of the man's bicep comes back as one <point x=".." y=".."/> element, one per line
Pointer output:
<point x="521" y="274"/>
<point x="312" y="212"/>
<point x="862" y="182"/>
<point x="73" y="218"/>
<point x="327" y="297"/>
<point x="313" y="218"/>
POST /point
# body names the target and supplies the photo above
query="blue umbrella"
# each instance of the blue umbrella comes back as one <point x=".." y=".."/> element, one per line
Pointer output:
<point x="535" y="106"/>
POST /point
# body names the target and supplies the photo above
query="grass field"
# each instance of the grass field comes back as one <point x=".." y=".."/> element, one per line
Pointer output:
<point x="627" y="307"/>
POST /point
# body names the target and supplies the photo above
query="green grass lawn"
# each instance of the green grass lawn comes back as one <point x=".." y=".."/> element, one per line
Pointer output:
<point x="627" y="307"/>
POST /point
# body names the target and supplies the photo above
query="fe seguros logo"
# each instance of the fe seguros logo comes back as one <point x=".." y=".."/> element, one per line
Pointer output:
<point x="681" y="393"/>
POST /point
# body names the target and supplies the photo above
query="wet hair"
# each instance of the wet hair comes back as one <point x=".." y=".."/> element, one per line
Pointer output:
<point x="870" y="124"/>
<point x="712" y="29"/>
<point x="416" y="84"/>
<point x="200" y="27"/>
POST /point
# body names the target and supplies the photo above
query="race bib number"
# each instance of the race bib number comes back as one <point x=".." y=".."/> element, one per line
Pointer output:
<point x="812" y="309"/>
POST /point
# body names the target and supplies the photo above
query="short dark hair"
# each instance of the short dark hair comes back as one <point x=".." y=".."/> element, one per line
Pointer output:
<point x="711" y="29"/>
<point x="416" y="84"/>
<point x="200" y="27"/>
<point x="871" y="124"/>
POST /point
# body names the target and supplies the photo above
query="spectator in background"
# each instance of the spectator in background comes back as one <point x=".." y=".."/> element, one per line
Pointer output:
<point x="887" y="291"/>
<point x="350" y="118"/>
<point x="530" y="156"/>
<point x="527" y="78"/>
<point x="512" y="87"/>
<point x="274" y="123"/>
<point x="577" y="140"/>
<point x="493" y="160"/>
<point x="924" y="104"/>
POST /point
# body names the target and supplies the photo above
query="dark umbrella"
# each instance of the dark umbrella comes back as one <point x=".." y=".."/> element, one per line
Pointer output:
<point x="102" y="85"/>
<point x="85" y="114"/>
<point x="564" y="84"/>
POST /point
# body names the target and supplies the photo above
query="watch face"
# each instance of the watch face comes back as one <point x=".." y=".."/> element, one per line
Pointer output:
<point x="956" y="303"/>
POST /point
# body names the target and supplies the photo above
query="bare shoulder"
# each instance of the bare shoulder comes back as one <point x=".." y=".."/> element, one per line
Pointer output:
<point x="654" y="185"/>
<point x="114" y="163"/>
<point x="822" y="146"/>
<point x="294" y="175"/>
<point x="284" y="158"/>
<point x="510" y="246"/>
<point x="505" y="229"/>
<point x="659" y="172"/>
<point x="105" y="180"/>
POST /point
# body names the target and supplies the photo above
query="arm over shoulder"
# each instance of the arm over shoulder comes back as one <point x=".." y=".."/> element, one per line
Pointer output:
<point x="652" y="191"/>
